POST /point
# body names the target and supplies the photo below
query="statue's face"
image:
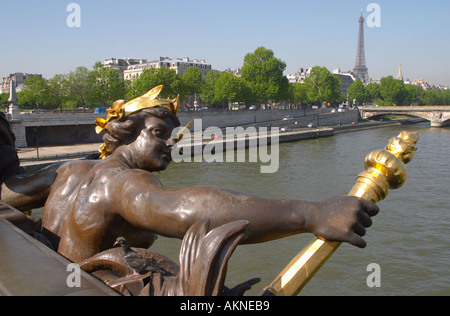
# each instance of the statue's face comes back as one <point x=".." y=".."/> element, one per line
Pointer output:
<point x="151" y="150"/>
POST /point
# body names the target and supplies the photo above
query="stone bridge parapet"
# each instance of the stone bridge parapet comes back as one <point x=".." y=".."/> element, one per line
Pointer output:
<point x="439" y="116"/>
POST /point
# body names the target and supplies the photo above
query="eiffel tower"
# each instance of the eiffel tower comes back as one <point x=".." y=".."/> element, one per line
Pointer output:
<point x="360" y="69"/>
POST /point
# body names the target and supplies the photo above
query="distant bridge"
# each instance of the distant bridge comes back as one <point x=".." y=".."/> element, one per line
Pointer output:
<point x="439" y="116"/>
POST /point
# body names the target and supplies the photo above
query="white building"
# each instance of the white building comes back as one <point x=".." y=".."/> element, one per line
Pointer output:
<point x="179" y="65"/>
<point x="122" y="64"/>
<point x="19" y="78"/>
<point x="299" y="76"/>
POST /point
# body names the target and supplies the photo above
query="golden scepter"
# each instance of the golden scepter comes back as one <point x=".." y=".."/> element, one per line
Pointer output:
<point x="385" y="169"/>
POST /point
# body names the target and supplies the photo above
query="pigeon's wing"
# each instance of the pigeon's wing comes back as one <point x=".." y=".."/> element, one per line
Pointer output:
<point x="135" y="260"/>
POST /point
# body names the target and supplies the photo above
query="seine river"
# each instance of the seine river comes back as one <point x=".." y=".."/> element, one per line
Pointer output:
<point x="409" y="240"/>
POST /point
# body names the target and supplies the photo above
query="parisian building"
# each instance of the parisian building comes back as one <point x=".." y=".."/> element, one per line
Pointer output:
<point x="19" y="78"/>
<point x="132" y="67"/>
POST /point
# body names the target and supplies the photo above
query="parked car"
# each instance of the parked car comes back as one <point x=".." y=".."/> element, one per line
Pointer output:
<point x="310" y="125"/>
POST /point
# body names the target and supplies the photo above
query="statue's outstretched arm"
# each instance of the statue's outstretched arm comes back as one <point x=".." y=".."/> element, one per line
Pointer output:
<point x="171" y="213"/>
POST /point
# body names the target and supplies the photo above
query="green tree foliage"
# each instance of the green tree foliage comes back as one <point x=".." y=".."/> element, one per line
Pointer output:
<point x="35" y="94"/>
<point x="152" y="77"/>
<point x="373" y="92"/>
<point x="433" y="97"/>
<point x="191" y="81"/>
<point x="414" y="94"/>
<point x="323" y="86"/>
<point x="262" y="81"/>
<point x="229" y="88"/>
<point x="4" y="99"/>
<point x="57" y="90"/>
<point x="298" y="94"/>
<point x="393" y="91"/>
<point x="357" y="92"/>
<point x="109" y="85"/>
<point x="207" y="91"/>
<point x="263" y="73"/>
<point x="446" y="97"/>
<point x="81" y="87"/>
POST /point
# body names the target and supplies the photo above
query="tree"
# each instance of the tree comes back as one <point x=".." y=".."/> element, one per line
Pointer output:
<point x="263" y="73"/>
<point x="357" y="92"/>
<point x="152" y="77"/>
<point x="393" y="91"/>
<point x="298" y="93"/>
<point x="80" y="86"/>
<point x="373" y="92"/>
<point x="414" y="94"/>
<point x="208" y="88"/>
<point x="192" y="81"/>
<point x="58" y="91"/>
<point x="445" y="96"/>
<point x="229" y="88"/>
<point x="35" y="92"/>
<point x="433" y="97"/>
<point x="323" y="86"/>
<point x="109" y="85"/>
<point x="4" y="99"/>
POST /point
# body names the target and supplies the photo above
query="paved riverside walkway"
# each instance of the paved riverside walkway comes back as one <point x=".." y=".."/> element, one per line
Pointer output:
<point x="29" y="155"/>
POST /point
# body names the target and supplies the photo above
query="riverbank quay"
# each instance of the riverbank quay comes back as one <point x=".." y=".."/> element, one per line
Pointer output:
<point x="243" y="138"/>
<point x="57" y="129"/>
<point x="32" y="159"/>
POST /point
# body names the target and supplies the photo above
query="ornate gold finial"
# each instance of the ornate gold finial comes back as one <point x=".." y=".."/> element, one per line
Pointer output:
<point x="385" y="169"/>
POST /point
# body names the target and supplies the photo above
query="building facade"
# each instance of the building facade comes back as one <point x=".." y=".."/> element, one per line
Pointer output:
<point x="347" y="79"/>
<point x="19" y="78"/>
<point x="132" y="68"/>
<point x="122" y="64"/>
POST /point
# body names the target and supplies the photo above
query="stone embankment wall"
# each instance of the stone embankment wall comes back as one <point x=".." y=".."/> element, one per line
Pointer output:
<point x="67" y="129"/>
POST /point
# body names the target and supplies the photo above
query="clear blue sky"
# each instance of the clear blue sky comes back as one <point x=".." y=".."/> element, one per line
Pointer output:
<point x="36" y="39"/>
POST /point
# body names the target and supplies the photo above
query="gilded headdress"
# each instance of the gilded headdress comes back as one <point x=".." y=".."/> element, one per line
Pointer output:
<point x="121" y="109"/>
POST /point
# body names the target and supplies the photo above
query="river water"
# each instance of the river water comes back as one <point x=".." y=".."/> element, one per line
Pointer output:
<point x="409" y="240"/>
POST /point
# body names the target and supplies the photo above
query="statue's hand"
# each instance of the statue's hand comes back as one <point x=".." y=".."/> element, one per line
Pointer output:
<point x="344" y="219"/>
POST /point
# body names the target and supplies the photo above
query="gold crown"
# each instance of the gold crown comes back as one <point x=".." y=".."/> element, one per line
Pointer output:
<point x="121" y="109"/>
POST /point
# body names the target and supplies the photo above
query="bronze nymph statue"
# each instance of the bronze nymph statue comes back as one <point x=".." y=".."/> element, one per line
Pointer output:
<point x="89" y="203"/>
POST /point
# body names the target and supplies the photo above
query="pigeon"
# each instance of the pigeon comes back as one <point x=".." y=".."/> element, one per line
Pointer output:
<point x="137" y="262"/>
